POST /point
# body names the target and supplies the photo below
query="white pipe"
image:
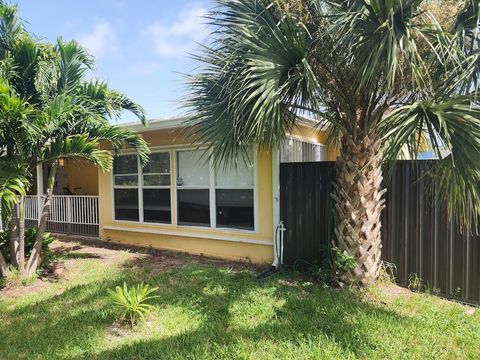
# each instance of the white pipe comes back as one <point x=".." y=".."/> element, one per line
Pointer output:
<point x="276" y="204"/>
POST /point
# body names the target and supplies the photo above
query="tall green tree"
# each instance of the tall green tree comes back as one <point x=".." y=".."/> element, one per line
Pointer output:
<point x="385" y="76"/>
<point x="48" y="112"/>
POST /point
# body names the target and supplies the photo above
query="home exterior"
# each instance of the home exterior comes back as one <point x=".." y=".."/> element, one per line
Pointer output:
<point x="180" y="201"/>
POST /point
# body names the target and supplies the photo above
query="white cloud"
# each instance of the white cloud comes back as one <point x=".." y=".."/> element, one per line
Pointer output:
<point x="174" y="39"/>
<point x="101" y="40"/>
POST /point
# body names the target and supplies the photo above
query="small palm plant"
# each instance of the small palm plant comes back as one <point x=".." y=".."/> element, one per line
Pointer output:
<point x="132" y="302"/>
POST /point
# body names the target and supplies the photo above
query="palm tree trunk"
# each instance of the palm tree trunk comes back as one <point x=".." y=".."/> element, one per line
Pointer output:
<point x="358" y="195"/>
<point x="3" y="266"/>
<point x="21" y="237"/>
<point x="37" y="247"/>
<point x="13" y="236"/>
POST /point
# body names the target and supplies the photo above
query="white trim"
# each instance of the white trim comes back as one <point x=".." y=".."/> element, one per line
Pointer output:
<point x="212" y="195"/>
<point x="158" y="124"/>
<point x="140" y="190"/>
<point x="189" y="234"/>
<point x="180" y="122"/>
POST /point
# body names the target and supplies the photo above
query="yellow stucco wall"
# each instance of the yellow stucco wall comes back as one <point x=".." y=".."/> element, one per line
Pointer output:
<point x="232" y="244"/>
<point x="81" y="177"/>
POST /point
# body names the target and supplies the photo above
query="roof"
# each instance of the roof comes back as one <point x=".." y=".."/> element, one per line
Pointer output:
<point x="179" y="121"/>
<point x="157" y="124"/>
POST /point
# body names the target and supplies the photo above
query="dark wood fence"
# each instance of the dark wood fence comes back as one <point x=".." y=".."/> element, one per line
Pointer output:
<point x="417" y="236"/>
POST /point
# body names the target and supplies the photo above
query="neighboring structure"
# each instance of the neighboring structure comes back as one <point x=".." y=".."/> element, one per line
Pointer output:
<point x="180" y="202"/>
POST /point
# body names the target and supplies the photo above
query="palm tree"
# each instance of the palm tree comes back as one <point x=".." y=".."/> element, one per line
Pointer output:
<point x="64" y="116"/>
<point x="384" y="77"/>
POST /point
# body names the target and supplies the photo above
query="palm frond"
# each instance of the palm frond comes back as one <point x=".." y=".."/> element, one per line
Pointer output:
<point x="78" y="147"/>
<point x="452" y="130"/>
<point x="73" y="63"/>
<point x="110" y="103"/>
<point x="119" y="137"/>
<point x="14" y="182"/>
<point x="253" y="77"/>
<point x="11" y="27"/>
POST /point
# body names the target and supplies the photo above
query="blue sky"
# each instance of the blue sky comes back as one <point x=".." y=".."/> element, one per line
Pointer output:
<point x="140" y="46"/>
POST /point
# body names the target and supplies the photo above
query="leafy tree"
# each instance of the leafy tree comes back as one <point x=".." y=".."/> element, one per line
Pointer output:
<point x="48" y="112"/>
<point x="385" y="76"/>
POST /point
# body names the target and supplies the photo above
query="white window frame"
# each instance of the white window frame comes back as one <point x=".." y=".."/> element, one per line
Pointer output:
<point x="115" y="187"/>
<point x="173" y="150"/>
<point x="154" y="187"/>
<point x="212" y="195"/>
<point x="140" y="188"/>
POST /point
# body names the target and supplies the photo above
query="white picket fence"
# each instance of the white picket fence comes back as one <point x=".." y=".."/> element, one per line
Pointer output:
<point x="68" y="213"/>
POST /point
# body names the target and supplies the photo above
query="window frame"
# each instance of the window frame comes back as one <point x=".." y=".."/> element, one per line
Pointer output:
<point x="140" y="188"/>
<point x="156" y="187"/>
<point x="212" y="194"/>
<point x="173" y="150"/>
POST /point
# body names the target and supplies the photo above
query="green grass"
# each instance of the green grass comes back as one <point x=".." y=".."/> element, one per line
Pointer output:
<point x="211" y="312"/>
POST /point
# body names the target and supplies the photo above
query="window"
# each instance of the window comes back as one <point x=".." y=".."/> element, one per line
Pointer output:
<point x="149" y="200"/>
<point x="206" y="196"/>
<point x="125" y="180"/>
<point x="193" y="188"/>
<point x="156" y="189"/>
<point x="294" y="150"/>
<point x="234" y="187"/>
<point x="218" y="198"/>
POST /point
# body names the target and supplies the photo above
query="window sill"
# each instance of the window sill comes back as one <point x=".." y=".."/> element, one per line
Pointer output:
<point x="176" y="231"/>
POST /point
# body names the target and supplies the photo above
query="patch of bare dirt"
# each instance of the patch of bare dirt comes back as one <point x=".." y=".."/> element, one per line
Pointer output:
<point x="394" y="291"/>
<point x="14" y="290"/>
<point x="68" y="249"/>
<point x="119" y="329"/>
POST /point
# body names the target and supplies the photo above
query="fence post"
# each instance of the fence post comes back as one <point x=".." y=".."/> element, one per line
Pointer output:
<point x="69" y="214"/>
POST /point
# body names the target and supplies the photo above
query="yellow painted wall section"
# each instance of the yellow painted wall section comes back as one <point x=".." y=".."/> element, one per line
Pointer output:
<point x="231" y="244"/>
<point x="81" y="177"/>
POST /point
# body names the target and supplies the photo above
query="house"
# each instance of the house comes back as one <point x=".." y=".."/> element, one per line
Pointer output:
<point x="179" y="201"/>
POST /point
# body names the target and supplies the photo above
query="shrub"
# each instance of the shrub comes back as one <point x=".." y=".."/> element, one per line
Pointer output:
<point x="132" y="302"/>
<point x="30" y="237"/>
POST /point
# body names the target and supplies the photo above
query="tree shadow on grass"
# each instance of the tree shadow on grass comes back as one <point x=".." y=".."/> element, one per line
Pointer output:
<point x="74" y="323"/>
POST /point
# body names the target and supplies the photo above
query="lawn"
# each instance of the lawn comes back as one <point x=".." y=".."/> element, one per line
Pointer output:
<point x="211" y="309"/>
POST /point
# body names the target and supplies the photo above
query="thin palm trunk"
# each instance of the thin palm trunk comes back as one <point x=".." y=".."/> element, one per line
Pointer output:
<point x="14" y="236"/>
<point x="3" y="266"/>
<point x="358" y="195"/>
<point x="21" y="237"/>
<point x="34" y="259"/>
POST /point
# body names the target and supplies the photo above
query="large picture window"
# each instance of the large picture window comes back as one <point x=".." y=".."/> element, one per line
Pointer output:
<point x="142" y="194"/>
<point x="218" y="198"/>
